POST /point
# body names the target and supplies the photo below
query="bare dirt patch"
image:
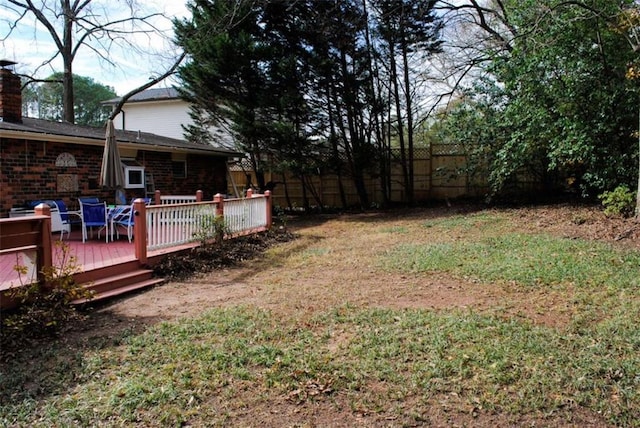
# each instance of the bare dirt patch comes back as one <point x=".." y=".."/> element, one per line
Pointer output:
<point x="332" y="261"/>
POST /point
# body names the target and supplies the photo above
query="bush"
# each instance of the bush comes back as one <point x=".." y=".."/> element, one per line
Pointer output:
<point x="44" y="308"/>
<point x="619" y="202"/>
<point x="212" y="228"/>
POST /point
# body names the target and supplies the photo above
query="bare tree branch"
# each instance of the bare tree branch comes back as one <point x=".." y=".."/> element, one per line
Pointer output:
<point x="29" y="80"/>
<point x="118" y="108"/>
<point x="72" y="25"/>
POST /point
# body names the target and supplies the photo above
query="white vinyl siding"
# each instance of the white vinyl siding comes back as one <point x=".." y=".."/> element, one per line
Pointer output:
<point x="158" y="117"/>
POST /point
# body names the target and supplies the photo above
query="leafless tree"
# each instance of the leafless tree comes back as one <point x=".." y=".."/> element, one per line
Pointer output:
<point x="474" y="30"/>
<point x="98" y="26"/>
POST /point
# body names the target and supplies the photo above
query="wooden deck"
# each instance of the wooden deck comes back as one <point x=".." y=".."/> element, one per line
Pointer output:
<point x="93" y="254"/>
<point x="111" y="268"/>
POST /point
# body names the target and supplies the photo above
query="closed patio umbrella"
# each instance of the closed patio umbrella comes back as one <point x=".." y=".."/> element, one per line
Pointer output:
<point x="111" y="173"/>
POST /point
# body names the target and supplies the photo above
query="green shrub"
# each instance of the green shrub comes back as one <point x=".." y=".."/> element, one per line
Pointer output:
<point x="211" y="228"/>
<point x="619" y="202"/>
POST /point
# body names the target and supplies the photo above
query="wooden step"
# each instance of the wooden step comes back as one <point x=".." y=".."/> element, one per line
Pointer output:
<point x="116" y="280"/>
<point x="121" y="290"/>
<point x="106" y="271"/>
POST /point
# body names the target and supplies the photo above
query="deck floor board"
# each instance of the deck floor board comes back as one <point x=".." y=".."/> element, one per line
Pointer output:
<point x="93" y="254"/>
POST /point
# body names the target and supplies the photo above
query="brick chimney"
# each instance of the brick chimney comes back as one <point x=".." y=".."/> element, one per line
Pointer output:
<point x="10" y="94"/>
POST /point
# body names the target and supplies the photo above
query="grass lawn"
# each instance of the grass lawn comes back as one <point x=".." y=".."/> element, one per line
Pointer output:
<point x="430" y="317"/>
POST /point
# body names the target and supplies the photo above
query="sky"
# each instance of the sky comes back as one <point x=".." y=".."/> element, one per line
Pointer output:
<point x="29" y="45"/>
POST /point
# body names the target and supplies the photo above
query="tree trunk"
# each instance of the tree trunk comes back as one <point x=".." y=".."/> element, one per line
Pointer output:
<point x="354" y="138"/>
<point x="409" y="105"/>
<point x="376" y="112"/>
<point x="67" y="59"/>
<point x="638" y="190"/>
<point x="396" y="95"/>
<point x="333" y="137"/>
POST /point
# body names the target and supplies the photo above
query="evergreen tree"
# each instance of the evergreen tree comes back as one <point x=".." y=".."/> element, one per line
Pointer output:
<point x="297" y="80"/>
<point x="226" y="76"/>
<point x="89" y="94"/>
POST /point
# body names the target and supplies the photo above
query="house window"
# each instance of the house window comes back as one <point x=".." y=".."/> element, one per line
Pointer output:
<point x="134" y="177"/>
<point x="133" y="174"/>
<point x="179" y="169"/>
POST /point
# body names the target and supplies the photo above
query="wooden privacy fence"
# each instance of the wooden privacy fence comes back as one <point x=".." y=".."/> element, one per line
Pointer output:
<point x="440" y="171"/>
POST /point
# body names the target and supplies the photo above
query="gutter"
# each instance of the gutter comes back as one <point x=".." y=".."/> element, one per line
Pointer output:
<point x="86" y="141"/>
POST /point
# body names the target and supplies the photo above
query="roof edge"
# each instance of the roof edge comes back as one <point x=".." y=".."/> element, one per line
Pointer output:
<point x="88" y="141"/>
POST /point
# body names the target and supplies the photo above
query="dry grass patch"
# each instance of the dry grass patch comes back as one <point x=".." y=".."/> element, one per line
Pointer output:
<point x="325" y="331"/>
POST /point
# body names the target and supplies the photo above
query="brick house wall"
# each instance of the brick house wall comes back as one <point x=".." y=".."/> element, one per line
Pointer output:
<point x="28" y="172"/>
<point x="206" y="173"/>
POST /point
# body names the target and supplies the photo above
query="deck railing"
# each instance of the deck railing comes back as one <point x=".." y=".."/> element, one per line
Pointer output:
<point x="171" y="225"/>
<point x="245" y="215"/>
<point x="25" y="242"/>
<point x="176" y="199"/>
<point x="28" y="239"/>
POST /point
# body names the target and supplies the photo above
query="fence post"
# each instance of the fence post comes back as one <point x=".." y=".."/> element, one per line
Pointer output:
<point x="199" y="196"/>
<point x="140" y="228"/>
<point x="267" y="195"/>
<point x="157" y="199"/>
<point x="44" y="257"/>
<point x="219" y="200"/>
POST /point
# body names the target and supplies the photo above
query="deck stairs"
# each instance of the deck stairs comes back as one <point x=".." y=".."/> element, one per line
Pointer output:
<point x="111" y="281"/>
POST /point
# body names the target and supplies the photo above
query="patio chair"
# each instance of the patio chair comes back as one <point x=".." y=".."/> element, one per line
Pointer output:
<point x="60" y="219"/>
<point x="58" y="222"/>
<point x="71" y="217"/>
<point x="94" y="215"/>
<point x="123" y="218"/>
<point x="88" y="200"/>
